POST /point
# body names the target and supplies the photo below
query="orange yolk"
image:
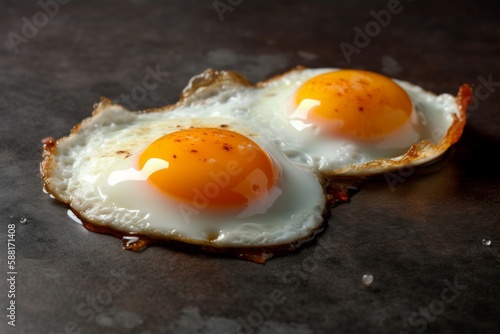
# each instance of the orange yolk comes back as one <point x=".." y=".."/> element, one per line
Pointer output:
<point x="353" y="103"/>
<point x="215" y="167"/>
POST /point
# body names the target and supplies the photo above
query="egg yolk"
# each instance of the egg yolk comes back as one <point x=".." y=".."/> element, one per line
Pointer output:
<point x="211" y="168"/>
<point x="354" y="103"/>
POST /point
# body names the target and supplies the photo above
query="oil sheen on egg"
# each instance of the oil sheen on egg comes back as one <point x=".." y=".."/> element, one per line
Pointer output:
<point x="355" y="122"/>
<point x="204" y="181"/>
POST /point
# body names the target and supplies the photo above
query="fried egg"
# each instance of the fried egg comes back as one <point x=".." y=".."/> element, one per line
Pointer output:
<point x="207" y="181"/>
<point x="355" y="122"/>
<point x="239" y="168"/>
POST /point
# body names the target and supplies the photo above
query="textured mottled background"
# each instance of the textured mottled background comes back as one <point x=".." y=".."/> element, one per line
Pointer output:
<point x="417" y="238"/>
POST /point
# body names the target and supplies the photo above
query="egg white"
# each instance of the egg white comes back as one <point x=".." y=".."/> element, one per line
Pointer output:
<point x="113" y="139"/>
<point x="77" y="169"/>
<point x="271" y="108"/>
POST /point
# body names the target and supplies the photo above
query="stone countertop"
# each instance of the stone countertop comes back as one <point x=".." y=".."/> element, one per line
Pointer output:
<point x="421" y="239"/>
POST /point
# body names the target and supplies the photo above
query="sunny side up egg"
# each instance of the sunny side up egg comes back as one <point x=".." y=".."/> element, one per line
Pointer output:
<point x="354" y="122"/>
<point x="242" y="169"/>
<point x="180" y="175"/>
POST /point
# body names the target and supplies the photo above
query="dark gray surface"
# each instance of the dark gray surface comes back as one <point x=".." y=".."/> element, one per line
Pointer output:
<point x="415" y="238"/>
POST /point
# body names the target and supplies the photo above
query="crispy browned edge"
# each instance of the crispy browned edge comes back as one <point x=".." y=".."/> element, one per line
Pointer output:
<point x="463" y="99"/>
<point x="213" y="78"/>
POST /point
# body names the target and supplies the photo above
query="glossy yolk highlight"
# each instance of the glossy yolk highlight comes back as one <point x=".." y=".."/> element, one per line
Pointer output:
<point x="212" y="168"/>
<point x="354" y="103"/>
